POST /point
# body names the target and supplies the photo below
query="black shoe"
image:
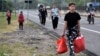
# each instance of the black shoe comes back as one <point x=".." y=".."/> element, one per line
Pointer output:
<point x="89" y="22"/>
<point x="72" y="54"/>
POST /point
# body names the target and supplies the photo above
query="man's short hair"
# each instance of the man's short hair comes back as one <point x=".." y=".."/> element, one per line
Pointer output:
<point x="90" y="5"/>
<point x="70" y="4"/>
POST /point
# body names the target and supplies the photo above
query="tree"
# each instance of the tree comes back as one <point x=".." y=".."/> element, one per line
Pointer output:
<point x="78" y="2"/>
<point x="46" y="2"/>
<point x="5" y="5"/>
<point x="2" y="4"/>
<point x="34" y="4"/>
<point x="50" y="2"/>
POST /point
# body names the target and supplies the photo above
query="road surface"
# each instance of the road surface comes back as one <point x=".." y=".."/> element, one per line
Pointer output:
<point x="91" y="32"/>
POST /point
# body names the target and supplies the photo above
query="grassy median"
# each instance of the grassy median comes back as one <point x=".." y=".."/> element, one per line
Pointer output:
<point x="4" y="27"/>
<point x="16" y="49"/>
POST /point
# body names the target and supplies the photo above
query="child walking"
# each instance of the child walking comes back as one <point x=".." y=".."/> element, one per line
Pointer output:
<point x="21" y="20"/>
<point x="8" y="14"/>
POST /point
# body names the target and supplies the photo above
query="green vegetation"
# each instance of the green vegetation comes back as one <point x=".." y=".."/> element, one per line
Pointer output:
<point x="4" y="27"/>
<point x="64" y="2"/>
<point x="20" y="4"/>
<point x="16" y="49"/>
<point x="5" y="5"/>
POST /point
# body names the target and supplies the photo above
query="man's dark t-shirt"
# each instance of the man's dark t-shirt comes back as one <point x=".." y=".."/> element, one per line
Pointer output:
<point x="72" y="19"/>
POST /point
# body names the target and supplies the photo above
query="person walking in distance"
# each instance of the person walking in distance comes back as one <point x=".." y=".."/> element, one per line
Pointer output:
<point x="91" y="13"/>
<point x="8" y="14"/>
<point x="44" y="15"/>
<point x="72" y="25"/>
<point x="54" y="14"/>
<point x="21" y="20"/>
<point x="40" y="13"/>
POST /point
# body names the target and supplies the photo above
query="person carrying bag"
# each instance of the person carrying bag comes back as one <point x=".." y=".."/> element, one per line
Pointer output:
<point x="72" y="27"/>
<point x="79" y="44"/>
<point x="61" y="45"/>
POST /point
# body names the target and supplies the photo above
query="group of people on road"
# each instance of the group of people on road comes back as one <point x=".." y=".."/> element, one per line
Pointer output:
<point x="20" y="19"/>
<point x="71" y="23"/>
<point x="54" y="14"/>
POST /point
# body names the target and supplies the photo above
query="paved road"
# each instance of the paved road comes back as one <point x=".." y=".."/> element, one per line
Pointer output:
<point x="91" y="32"/>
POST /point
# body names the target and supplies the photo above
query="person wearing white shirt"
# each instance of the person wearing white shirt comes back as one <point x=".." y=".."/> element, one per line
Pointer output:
<point x="54" y="14"/>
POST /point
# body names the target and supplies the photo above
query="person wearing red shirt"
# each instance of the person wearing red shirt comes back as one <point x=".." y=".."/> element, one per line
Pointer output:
<point x="21" y="20"/>
<point x="8" y="14"/>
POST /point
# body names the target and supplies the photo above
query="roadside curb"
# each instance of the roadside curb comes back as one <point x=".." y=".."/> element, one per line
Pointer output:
<point x="54" y="34"/>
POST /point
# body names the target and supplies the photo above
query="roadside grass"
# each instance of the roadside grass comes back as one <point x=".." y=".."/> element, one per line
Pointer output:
<point x="16" y="49"/>
<point x="32" y="24"/>
<point x="20" y="48"/>
<point x="4" y="27"/>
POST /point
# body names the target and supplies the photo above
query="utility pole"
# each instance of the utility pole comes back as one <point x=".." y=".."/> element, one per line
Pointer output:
<point x="28" y="4"/>
<point x="95" y="1"/>
<point x="15" y="7"/>
<point x="61" y="6"/>
<point x="54" y="1"/>
<point x="2" y="8"/>
<point x="27" y="9"/>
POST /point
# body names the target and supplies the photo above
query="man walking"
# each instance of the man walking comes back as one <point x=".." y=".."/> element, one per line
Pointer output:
<point x="72" y="24"/>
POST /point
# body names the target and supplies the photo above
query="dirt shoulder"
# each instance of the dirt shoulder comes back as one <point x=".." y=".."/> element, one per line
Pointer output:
<point x="32" y="41"/>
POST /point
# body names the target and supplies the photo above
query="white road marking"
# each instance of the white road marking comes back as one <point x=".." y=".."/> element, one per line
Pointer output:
<point x="86" y="29"/>
<point x="90" y="30"/>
